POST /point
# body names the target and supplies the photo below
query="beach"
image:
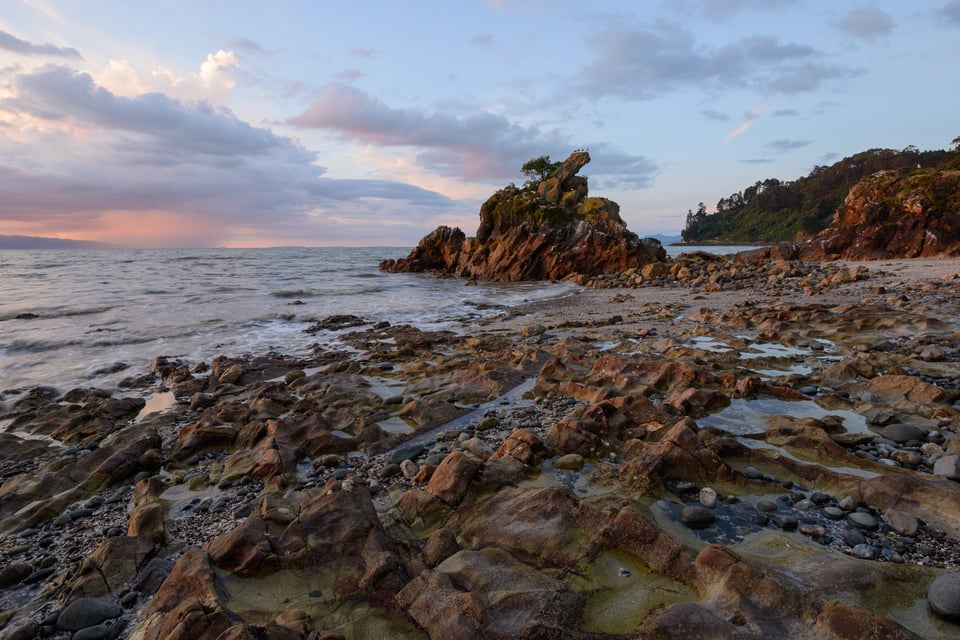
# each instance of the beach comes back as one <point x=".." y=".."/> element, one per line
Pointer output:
<point x="729" y="450"/>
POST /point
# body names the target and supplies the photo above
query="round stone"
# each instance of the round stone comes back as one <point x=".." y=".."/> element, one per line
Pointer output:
<point x="864" y="552"/>
<point x="787" y="523"/>
<point x="87" y="612"/>
<point x="812" y="530"/>
<point x="943" y="596"/>
<point x="708" y="497"/>
<point x="863" y="521"/>
<point x="849" y="503"/>
<point x="766" y="506"/>
<point x="753" y="473"/>
<point x="834" y="513"/>
<point x="696" y="517"/>
<point x="570" y="462"/>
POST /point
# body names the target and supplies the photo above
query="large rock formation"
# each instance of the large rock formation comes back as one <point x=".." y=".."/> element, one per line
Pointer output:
<point x="547" y="233"/>
<point x="890" y="214"/>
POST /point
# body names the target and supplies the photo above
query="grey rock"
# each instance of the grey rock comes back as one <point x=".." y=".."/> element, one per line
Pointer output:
<point x="943" y="596"/>
<point x="865" y="552"/>
<point x="901" y="522"/>
<point x="834" y="513"/>
<point x="696" y="517"/>
<point x="901" y="433"/>
<point x="849" y="503"/>
<point x="87" y="612"/>
<point x="853" y="537"/>
<point x="766" y="506"/>
<point x="863" y="521"/>
<point x="708" y="497"/>
<point x="787" y="523"/>
<point x="947" y="467"/>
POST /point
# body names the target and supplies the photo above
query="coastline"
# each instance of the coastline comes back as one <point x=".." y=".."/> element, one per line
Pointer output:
<point x="581" y="491"/>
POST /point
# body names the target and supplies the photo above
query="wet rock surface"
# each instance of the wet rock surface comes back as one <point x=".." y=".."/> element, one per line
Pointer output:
<point x="666" y="465"/>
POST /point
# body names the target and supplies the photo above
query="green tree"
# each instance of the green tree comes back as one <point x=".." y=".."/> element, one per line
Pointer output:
<point x="536" y="169"/>
<point x="956" y="143"/>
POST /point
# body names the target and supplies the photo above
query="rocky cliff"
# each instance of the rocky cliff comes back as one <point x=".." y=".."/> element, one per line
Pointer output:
<point x="890" y="214"/>
<point x="549" y="232"/>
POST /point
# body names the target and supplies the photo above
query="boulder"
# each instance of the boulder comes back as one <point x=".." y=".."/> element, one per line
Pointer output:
<point x="547" y="233"/>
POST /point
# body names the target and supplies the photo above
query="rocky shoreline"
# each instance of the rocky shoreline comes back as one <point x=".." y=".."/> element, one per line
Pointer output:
<point x="708" y="448"/>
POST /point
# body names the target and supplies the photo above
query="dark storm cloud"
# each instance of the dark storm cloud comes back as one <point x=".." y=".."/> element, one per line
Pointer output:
<point x="13" y="44"/>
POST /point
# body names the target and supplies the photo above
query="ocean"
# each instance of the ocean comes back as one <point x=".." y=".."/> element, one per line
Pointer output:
<point x="92" y="317"/>
<point x="78" y="317"/>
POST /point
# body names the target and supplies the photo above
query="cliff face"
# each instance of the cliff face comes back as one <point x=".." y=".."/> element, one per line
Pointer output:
<point x="892" y="214"/>
<point x="549" y="233"/>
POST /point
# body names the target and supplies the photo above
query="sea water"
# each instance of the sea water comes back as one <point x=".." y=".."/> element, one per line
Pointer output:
<point x="92" y="317"/>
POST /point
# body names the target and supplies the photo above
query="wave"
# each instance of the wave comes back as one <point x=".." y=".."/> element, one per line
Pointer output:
<point x="47" y="314"/>
<point x="316" y="293"/>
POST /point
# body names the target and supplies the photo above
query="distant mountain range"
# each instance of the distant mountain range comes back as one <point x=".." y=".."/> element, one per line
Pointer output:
<point x="36" y="242"/>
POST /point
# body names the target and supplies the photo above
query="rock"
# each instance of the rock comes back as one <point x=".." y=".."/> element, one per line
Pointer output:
<point x="697" y="517"/>
<point x="87" y="612"/>
<point x="865" y="552"/>
<point x="947" y="467"/>
<point x="708" y="497"/>
<point x="849" y="503"/>
<point x="548" y="234"/>
<point x="785" y="522"/>
<point x="901" y="522"/>
<point x="863" y="521"/>
<point x="767" y="506"/>
<point x="943" y="596"/>
<point x="891" y="214"/>
<point x="570" y="462"/>
<point x="451" y="480"/>
<point x="901" y="433"/>
<point x="834" y="513"/>
<point x="13" y="573"/>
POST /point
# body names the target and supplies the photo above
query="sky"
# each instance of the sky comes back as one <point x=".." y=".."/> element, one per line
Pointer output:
<point x="275" y="123"/>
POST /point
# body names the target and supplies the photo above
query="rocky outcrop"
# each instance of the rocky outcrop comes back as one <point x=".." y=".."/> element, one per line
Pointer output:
<point x="548" y="233"/>
<point x="890" y="214"/>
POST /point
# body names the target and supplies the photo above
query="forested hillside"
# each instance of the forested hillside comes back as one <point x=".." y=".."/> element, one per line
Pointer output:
<point x="775" y="211"/>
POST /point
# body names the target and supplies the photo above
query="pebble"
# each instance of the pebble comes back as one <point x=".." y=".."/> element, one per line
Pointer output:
<point x="862" y="520"/>
<point x="767" y="506"/>
<point x="943" y="596"/>
<point x="834" y="513"/>
<point x="708" y="497"/>
<point x="697" y="517"/>
<point x="865" y="551"/>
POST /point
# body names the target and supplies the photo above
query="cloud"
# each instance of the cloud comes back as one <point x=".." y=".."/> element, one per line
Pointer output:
<point x="710" y="114"/>
<point x="951" y="12"/>
<point x="749" y="119"/>
<point x="360" y="52"/>
<point x="246" y="45"/>
<point x="721" y="10"/>
<point x="786" y="113"/>
<point x="484" y="41"/>
<point x="784" y="145"/>
<point x="79" y="154"/>
<point x="642" y="63"/>
<point x="13" y="44"/>
<point x="477" y="146"/>
<point x="214" y="80"/>
<point x="867" y="23"/>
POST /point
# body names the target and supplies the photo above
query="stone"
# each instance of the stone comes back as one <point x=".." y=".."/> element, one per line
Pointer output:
<point x="901" y="433"/>
<point x="863" y="521"/>
<point x="87" y="612"/>
<point x="785" y="522"/>
<point x="834" y="513"/>
<point x="865" y="552"/>
<point x="947" y="467"/>
<point x="901" y="522"/>
<point x="697" y="517"/>
<point x="570" y="462"/>
<point x="767" y="506"/>
<point x="708" y="497"/>
<point x="943" y="596"/>
<point x="551" y="234"/>
<point x="849" y="503"/>
<point x="451" y="480"/>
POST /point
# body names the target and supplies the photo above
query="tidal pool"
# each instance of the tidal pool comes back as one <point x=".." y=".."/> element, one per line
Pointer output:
<point x="745" y="417"/>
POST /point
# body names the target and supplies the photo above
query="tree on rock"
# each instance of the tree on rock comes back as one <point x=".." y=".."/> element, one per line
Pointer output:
<point x="536" y="169"/>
